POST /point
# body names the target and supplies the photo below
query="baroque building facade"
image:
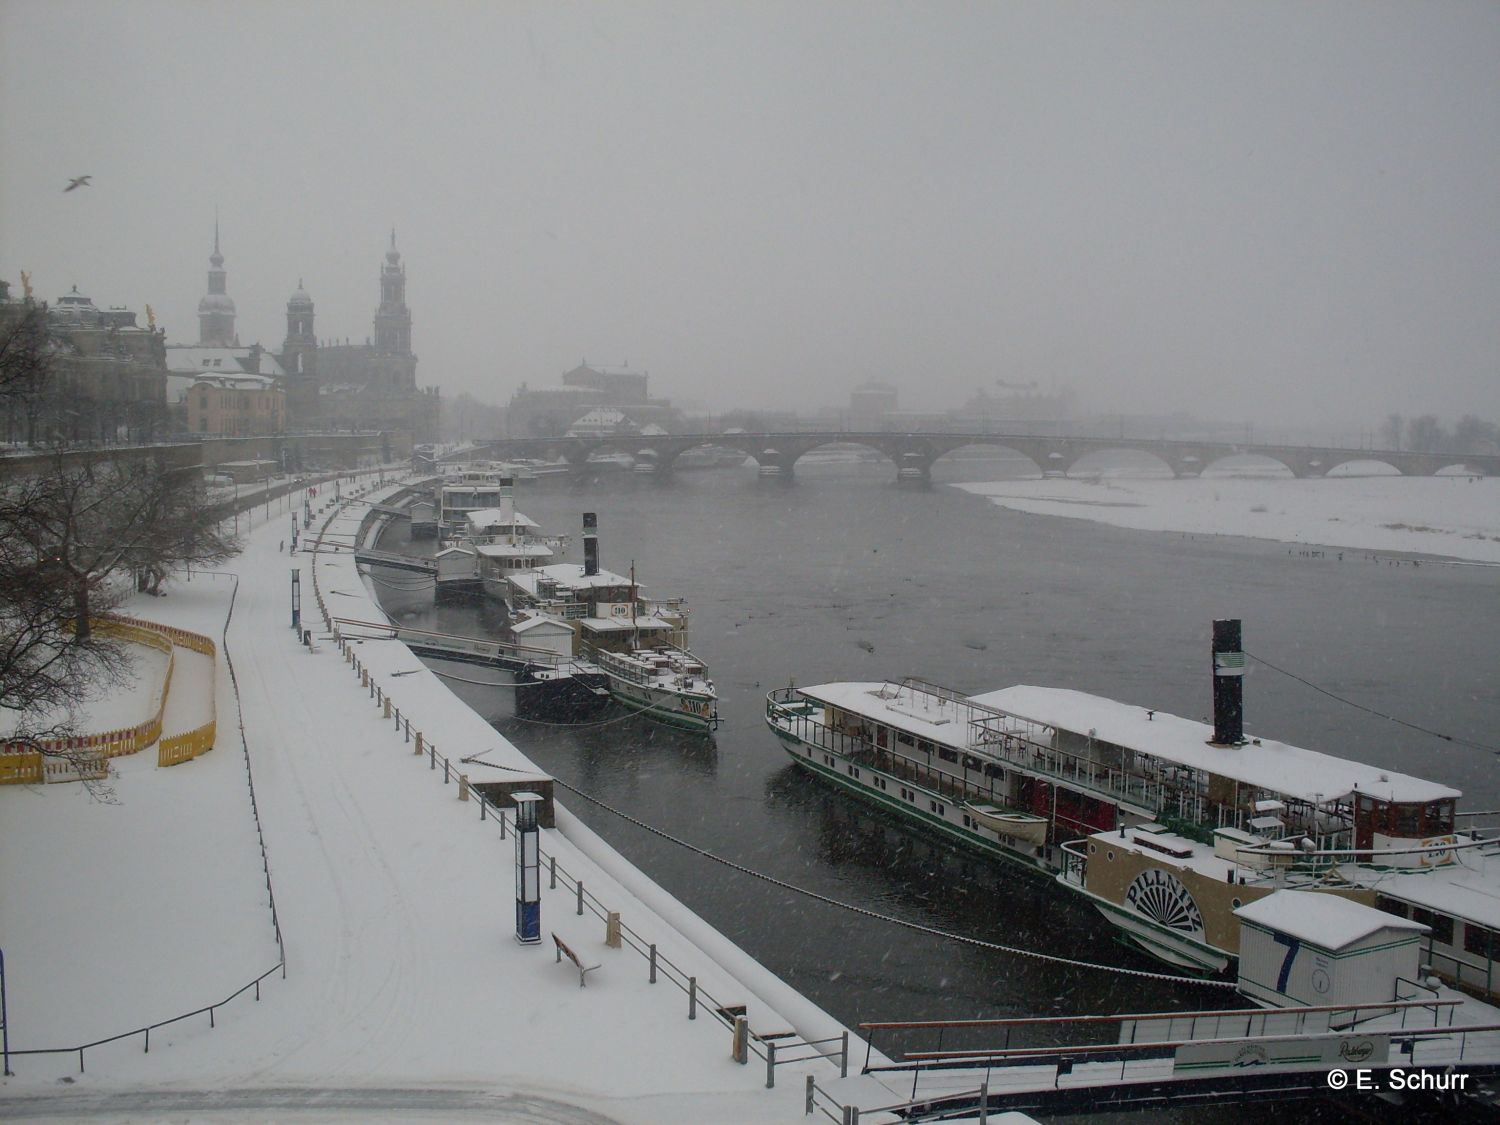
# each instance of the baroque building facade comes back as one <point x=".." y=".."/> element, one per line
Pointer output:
<point x="369" y="386"/>
<point x="216" y="387"/>
<point x="220" y="387"/>
<point x="105" y="380"/>
<point x="584" y="391"/>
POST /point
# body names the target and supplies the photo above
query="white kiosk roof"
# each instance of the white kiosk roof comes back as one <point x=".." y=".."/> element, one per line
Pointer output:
<point x="1328" y="921"/>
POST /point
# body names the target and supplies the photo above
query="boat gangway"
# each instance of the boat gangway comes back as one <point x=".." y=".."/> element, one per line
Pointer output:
<point x="452" y="646"/>
<point x="397" y="561"/>
<point x="1060" y="1065"/>
<point x="390" y="510"/>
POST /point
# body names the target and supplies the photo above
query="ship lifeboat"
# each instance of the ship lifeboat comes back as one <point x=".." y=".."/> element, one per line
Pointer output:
<point x="1017" y="825"/>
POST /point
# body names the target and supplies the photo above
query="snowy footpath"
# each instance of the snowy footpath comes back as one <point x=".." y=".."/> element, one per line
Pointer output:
<point x="405" y="995"/>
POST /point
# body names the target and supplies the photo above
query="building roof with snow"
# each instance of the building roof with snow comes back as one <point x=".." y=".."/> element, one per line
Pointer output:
<point x="1261" y="762"/>
<point x="1328" y="921"/>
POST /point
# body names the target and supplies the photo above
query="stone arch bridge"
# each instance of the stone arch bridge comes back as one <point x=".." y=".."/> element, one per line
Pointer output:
<point x="913" y="454"/>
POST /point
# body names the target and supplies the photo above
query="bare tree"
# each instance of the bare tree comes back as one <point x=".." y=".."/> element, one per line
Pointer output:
<point x="69" y="539"/>
<point x="1472" y="434"/>
<point x="45" y="664"/>
<point x="1425" y="434"/>
<point x="26" y="349"/>
<point x="1390" y="431"/>
<point x="93" y="518"/>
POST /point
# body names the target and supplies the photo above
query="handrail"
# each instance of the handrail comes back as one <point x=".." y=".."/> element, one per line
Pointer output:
<point x="149" y="1028"/>
<point x="1029" y="1054"/>
<point x="1225" y="1013"/>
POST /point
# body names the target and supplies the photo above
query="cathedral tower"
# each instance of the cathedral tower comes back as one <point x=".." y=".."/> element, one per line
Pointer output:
<point x="299" y="351"/>
<point x="393" y="318"/>
<point x="216" y="310"/>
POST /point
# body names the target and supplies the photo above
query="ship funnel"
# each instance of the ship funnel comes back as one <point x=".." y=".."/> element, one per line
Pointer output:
<point x="590" y="544"/>
<point x="1229" y="674"/>
<point x="508" y="505"/>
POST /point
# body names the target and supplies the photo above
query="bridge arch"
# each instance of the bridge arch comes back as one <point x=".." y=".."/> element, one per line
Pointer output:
<point x="1143" y="462"/>
<point x="1371" y="466"/>
<point x="1248" y="464"/>
<point x="915" y="453"/>
<point x="998" y="444"/>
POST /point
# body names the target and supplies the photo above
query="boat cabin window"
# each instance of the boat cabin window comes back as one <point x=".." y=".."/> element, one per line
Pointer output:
<point x="1481" y="940"/>
<point x="1391" y="906"/>
<point x="904" y="738"/>
<point x="1439" y="818"/>
<point x="1442" y="924"/>
<point x="1408" y="820"/>
<point x="946" y="754"/>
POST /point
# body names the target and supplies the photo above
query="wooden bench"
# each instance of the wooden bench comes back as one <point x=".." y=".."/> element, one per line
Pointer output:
<point x="564" y="951"/>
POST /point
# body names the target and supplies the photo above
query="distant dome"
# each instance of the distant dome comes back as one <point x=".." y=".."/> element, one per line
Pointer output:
<point x="216" y="303"/>
<point x="299" y="300"/>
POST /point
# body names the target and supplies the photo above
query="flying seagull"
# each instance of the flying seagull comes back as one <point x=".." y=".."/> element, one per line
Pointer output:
<point x="77" y="181"/>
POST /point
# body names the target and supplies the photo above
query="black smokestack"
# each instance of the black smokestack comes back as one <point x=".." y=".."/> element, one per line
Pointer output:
<point x="1229" y="673"/>
<point x="590" y="543"/>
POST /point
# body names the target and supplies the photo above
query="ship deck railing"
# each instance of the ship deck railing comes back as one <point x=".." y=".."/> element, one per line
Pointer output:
<point x="567" y="611"/>
<point x="1145" y="795"/>
<point x="1077" y="1077"/>
<point x="955" y="1039"/>
<point x="1075" y="863"/>
<point x="628" y="666"/>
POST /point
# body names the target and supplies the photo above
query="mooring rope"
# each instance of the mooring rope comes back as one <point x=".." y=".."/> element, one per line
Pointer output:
<point x="1371" y="711"/>
<point x="931" y="931"/>
<point x="543" y="722"/>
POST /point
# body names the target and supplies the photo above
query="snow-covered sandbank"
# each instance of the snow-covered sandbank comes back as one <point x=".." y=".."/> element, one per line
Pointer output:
<point x="1453" y="517"/>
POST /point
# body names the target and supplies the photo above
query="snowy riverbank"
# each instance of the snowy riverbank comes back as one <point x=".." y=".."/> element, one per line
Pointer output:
<point x="406" y="995"/>
<point x="1453" y="517"/>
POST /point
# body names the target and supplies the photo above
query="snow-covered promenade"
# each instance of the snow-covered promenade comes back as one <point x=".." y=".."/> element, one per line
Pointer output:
<point x="406" y="995"/>
<point x="1453" y="517"/>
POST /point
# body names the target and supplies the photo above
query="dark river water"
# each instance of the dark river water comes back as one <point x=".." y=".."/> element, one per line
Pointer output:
<point x="843" y="575"/>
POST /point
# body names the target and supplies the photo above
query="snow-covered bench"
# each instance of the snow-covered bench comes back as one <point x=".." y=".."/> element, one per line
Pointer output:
<point x="564" y="951"/>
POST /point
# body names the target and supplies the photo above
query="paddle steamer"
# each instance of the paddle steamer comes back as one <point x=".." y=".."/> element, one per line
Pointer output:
<point x="639" y="644"/>
<point x="1166" y="825"/>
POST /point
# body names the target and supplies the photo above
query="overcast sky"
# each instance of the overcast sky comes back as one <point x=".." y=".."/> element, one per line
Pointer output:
<point x="1262" y="211"/>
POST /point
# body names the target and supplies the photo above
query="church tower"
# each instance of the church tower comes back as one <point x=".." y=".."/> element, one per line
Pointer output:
<point x="393" y="318"/>
<point x="216" y="310"/>
<point x="299" y="358"/>
<point x="300" y="348"/>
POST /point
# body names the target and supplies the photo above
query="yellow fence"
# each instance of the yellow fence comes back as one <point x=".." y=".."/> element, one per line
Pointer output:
<point x="185" y="747"/>
<point x="20" y="766"/>
<point x="25" y="765"/>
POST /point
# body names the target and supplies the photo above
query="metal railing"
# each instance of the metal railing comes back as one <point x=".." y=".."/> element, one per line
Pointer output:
<point x="146" y="1031"/>
<point x="1143" y="1028"/>
<point x="775" y="1049"/>
<point x="1464" y="972"/>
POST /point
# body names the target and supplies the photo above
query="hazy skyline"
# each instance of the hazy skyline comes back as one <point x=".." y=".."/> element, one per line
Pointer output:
<point x="1277" y="212"/>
